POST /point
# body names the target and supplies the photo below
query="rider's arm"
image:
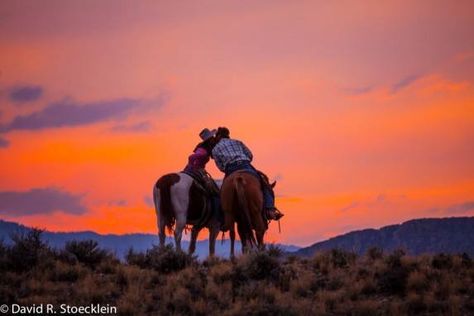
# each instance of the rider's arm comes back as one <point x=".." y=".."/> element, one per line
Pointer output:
<point x="218" y="158"/>
<point x="199" y="158"/>
<point x="247" y="151"/>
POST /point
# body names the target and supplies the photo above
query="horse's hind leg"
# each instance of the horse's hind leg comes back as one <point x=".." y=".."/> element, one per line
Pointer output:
<point x="243" y="240"/>
<point x="232" y="241"/>
<point x="161" y="233"/>
<point x="160" y="222"/>
<point x="259" y="235"/>
<point x="194" y="234"/>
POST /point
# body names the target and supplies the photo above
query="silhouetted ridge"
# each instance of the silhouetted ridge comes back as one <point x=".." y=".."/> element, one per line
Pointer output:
<point x="431" y="235"/>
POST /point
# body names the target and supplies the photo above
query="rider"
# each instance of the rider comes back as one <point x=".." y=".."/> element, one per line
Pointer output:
<point x="200" y="157"/>
<point x="197" y="163"/>
<point x="231" y="155"/>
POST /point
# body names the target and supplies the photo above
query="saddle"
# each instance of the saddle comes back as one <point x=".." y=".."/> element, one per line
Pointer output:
<point x="203" y="180"/>
<point x="201" y="193"/>
<point x="262" y="178"/>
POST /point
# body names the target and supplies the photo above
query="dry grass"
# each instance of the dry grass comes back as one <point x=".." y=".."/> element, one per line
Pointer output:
<point x="164" y="282"/>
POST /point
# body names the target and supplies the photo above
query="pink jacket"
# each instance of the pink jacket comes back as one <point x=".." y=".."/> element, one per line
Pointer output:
<point x="199" y="158"/>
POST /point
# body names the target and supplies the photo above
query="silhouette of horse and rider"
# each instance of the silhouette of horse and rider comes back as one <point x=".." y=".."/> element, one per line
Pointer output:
<point x="192" y="197"/>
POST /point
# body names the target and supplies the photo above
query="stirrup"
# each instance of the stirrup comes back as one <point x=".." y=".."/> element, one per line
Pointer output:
<point x="273" y="214"/>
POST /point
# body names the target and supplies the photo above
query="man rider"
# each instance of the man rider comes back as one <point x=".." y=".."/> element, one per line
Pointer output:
<point x="231" y="155"/>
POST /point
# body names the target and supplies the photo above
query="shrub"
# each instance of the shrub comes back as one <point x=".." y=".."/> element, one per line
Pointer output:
<point x="394" y="259"/>
<point x="212" y="261"/>
<point x="288" y="273"/>
<point x="163" y="281"/>
<point x="27" y="251"/>
<point x="415" y="304"/>
<point x="417" y="281"/>
<point x="87" y="252"/>
<point x="63" y="272"/>
<point x="366" y="308"/>
<point x="136" y="258"/>
<point x="375" y="253"/>
<point x="166" y="259"/>
<point x="341" y="258"/>
<point x="3" y="256"/>
<point x="303" y="285"/>
<point x="442" y="261"/>
<point x="393" y="279"/>
<point x="259" y="309"/>
<point x="466" y="260"/>
<point x="274" y="251"/>
<point x="260" y="265"/>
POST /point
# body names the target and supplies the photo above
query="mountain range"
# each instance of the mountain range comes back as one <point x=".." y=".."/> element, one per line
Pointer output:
<point x="120" y="244"/>
<point x="430" y="235"/>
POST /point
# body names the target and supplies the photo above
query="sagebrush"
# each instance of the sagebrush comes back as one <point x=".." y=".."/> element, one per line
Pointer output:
<point x="166" y="282"/>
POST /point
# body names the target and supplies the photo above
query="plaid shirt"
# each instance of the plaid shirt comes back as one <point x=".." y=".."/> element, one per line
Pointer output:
<point x="228" y="151"/>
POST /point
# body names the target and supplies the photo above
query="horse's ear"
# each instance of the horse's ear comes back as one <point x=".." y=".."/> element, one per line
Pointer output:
<point x="273" y="184"/>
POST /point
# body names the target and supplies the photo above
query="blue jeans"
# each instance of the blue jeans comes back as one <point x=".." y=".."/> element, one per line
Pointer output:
<point x="268" y="196"/>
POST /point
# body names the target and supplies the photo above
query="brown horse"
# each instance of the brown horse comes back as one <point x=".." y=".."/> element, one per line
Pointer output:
<point x="242" y="202"/>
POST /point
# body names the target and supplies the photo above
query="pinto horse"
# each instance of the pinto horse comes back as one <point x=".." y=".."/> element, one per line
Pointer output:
<point x="179" y="201"/>
<point x="242" y="202"/>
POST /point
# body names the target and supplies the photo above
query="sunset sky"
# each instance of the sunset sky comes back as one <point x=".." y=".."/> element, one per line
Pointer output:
<point x="363" y="111"/>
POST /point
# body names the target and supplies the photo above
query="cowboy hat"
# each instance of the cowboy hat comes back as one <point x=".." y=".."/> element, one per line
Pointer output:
<point x="205" y="134"/>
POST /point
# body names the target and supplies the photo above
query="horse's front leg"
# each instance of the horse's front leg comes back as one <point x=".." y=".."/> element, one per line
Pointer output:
<point x="178" y="233"/>
<point x="213" y="233"/>
<point x="194" y="234"/>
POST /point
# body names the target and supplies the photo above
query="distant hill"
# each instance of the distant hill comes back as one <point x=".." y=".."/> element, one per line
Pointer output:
<point x="120" y="244"/>
<point x="432" y="235"/>
<point x="448" y="235"/>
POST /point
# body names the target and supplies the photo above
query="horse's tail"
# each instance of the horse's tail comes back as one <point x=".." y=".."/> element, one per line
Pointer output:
<point x="244" y="222"/>
<point x="164" y="206"/>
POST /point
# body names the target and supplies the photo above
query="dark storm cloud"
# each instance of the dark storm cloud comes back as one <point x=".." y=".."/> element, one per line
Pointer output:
<point x="405" y="82"/>
<point x="40" y="201"/>
<point x="68" y="113"/>
<point x="24" y="94"/>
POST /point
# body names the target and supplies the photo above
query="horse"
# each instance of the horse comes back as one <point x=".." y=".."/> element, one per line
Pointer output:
<point x="242" y="203"/>
<point x="180" y="201"/>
